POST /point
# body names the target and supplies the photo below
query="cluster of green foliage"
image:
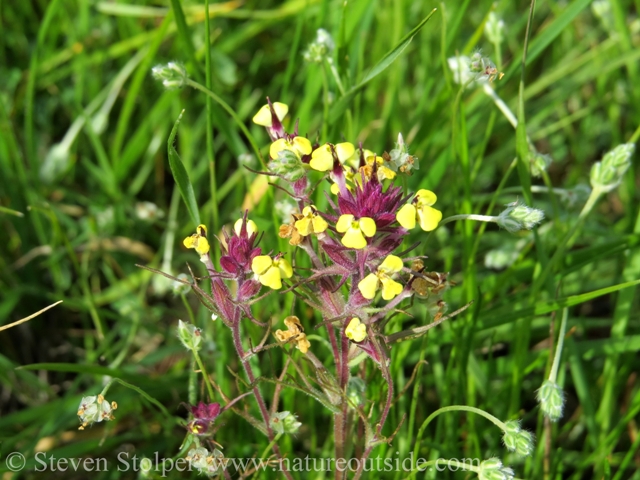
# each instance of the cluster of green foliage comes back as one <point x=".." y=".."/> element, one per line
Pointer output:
<point x="83" y="146"/>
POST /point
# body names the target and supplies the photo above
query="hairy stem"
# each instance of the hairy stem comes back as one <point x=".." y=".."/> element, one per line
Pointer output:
<point x="237" y="341"/>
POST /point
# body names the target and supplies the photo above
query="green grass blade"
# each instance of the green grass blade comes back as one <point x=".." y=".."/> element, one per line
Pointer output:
<point x="181" y="177"/>
<point x="341" y="105"/>
<point x="501" y="316"/>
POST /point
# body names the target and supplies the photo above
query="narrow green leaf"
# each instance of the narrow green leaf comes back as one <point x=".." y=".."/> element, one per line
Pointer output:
<point x="494" y="318"/>
<point x="341" y="105"/>
<point x="180" y="175"/>
<point x="551" y="32"/>
<point x="185" y="36"/>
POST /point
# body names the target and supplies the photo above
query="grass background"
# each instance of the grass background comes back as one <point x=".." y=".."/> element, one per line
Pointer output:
<point x="79" y="73"/>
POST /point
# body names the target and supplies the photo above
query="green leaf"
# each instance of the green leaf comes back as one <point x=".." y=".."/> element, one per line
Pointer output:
<point x="181" y="177"/>
<point x="502" y="316"/>
<point x="341" y="105"/>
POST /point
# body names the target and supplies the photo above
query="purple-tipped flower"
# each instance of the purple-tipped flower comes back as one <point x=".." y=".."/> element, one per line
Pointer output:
<point x="204" y="414"/>
<point x="270" y="116"/>
<point x="240" y="249"/>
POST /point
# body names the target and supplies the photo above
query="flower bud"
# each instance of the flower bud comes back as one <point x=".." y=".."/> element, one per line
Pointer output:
<point x="355" y="391"/>
<point x="57" y="161"/>
<point x="607" y="174"/>
<point x="399" y="159"/>
<point x="476" y="69"/>
<point x="288" y="165"/>
<point x="516" y="439"/>
<point x="321" y="48"/>
<point x="173" y="75"/>
<point x="189" y="335"/>
<point x="519" y="217"/>
<point x="551" y="399"/>
<point x="284" y="422"/>
<point x="148" y="211"/>
<point x="539" y="163"/>
<point x="493" y="469"/>
<point x="494" y="28"/>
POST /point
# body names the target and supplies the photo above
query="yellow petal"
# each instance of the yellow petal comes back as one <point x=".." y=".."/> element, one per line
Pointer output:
<point x="406" y="216"/>
<point x="303" y="343"/>
<point x="304" y="226"/>
<point x="281" y="109"/>
<point x="251" y="227"/>
<point x="302" y="145"/>
<point x="344" y="223"/>
<point x="354" y="239"/>
<point x="335" y="189"/>
<point x="429" y="218"/>
<point x="321" y="159"/>
<point x="368" y="226"/>
<point x="390" y="288"/>
<point x="271" y="278"/>
<point x="202" y="245"/>
<point x="385" y="173"/>
<point x="283" y="336"/>
<point x="368" y="286"/>
<point x="356" y="330"/>
<point x="293" y="324"/>
<point x="344" y="151"/>
<point x="426" y="197"/>
<point x="261" y="263"/>
<point x="190" y="241"/>
<point x="391" y="264"/>
<point x="278" y="146"/>
<point x="263" y="117"/>
<point x="319" y="224"/>
<point x="285" y="267"/>
<point x="308" y="210"/>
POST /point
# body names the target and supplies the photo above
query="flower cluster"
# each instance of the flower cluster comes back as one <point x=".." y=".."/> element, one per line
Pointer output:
<point x="94" y="409"/>
<point x="358" y="277"/>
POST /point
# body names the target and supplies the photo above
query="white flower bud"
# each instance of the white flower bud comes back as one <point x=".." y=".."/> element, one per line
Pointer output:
<point x="321" y="48"/>
<point x="189" y="335"/>
<point x="494" y="28"/>
<point x="607" y="174"/>
<point x="493" y="469"/>
<point x="172" y="75"/>
<point x="519" y="217"/>
<point x="551" y="399"/>
<point x="516" y="439"/>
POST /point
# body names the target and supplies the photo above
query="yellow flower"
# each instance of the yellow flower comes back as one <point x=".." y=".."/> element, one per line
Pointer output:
<point x="295" y="330"/>
<point x="420" y="209"/>
<point x="355" y="230"/>
<point x="198" y="240"/>
<point x="322" y="157"/>
<point x="384" y="172"/>
<point x="311" y="222"/>
<point x="356" y="330"/>
<point x="263" y="117"/>
<point x="298" y="145"/>
<point x="251" y="227"/>
<point x="354" y="160"/>
<point x="270" y="271"/>
<point x="370" y="284"/>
